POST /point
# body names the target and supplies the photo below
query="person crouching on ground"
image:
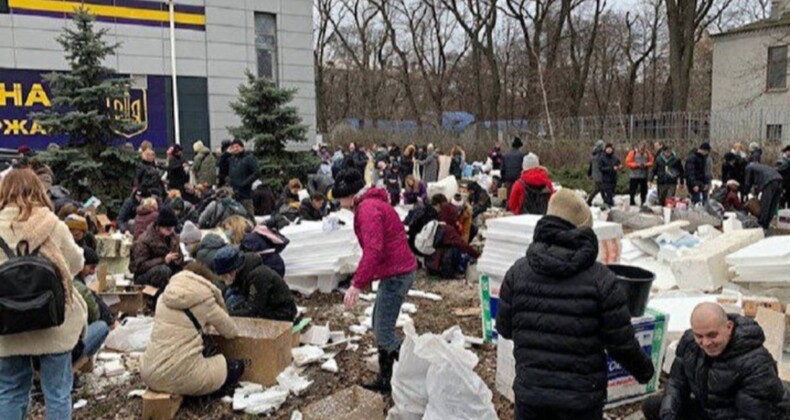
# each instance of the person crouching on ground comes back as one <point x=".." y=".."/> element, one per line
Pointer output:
<point x="26" y="215"/>
<point x="564" y="312"/>
<point x="721" y="372"/>
<point x="385" y="256"/>
<point x="311" y="209"/>
<point x="156" y="254"/>
<point x="254" y="290"/>
<point x="78" y="226"/>
<point x="175" y="361"/>
<point x="100" y="317"/>
<point x="453" y="253"/>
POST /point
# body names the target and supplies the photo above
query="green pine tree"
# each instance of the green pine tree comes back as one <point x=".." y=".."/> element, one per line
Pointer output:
<point x="266" y="118"/>
<point x="269" y="123"/>
<point x="81" y="95"/>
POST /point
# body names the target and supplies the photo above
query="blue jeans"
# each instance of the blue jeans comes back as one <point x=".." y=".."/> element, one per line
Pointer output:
<point x="16" y="379"/>
<point x="389" y="298"/>
<point x="94" y="337"/>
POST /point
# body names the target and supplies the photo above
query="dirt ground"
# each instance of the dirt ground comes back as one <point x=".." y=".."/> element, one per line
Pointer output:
<point x="112" y="402"/>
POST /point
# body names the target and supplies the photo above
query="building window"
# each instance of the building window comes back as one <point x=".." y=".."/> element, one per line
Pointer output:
<point x="3" y="6"/>
<point x="774" y="133"/>
<point x="777" y="67"/>
<point x="266" y="45"/>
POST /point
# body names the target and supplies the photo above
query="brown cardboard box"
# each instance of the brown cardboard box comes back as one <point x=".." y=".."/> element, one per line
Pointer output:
<point x="355" y="403"/>
<point x="263" y="345"/>
<point x="131" y="300"/>
<point x="751" y="303"/>
<point x="158" y="406"/>
<point x="105" y="225"/>
<point x="502" y="193"/>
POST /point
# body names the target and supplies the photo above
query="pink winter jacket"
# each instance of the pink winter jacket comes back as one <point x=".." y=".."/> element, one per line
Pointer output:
<point x="382" y="236"/>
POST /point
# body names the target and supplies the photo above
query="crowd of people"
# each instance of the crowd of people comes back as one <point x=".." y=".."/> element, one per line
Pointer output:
<point x="196" y="239"/>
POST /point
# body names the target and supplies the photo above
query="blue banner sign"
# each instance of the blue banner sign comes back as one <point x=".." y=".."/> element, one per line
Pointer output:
<point x="23" y="92"/>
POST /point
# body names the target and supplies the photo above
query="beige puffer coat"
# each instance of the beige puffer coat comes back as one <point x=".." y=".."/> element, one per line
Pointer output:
<point x="173" y="362"/>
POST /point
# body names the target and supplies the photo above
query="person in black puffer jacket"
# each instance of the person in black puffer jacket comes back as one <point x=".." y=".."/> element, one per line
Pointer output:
<point x="721" y="361"/>
<point x="512" y="164"/>
<point x="564" y="311"/>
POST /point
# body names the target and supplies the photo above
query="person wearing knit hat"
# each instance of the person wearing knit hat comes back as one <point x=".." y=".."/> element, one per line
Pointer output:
<point x="755" y="153"/>
<point x="204" y="165"/>
<point x="100" y="317"/>
<point x="386" y="256"/>
<point x="78" y="226"/>
<point x="564" y="309"/>
<point x="156" y="253"/>
<point x="609" y="165"/>
<point x="697" y="177"/>
<point x="594" y="171"/>
<point x="531" y="193"/>
<point x="228" y="261"/>
<point x="190" y="234"/>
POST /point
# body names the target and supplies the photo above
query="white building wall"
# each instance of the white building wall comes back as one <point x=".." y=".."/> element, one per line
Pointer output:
<point x="222" y="53"/>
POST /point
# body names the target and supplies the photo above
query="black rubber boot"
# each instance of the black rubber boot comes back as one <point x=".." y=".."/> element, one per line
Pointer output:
<point x="382" y="382"/>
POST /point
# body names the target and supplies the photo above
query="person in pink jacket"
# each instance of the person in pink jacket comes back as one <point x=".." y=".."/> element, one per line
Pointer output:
<point x="385" y="256"/>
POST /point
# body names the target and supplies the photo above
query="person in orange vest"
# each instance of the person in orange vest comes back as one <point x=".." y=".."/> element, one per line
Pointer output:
<point x="639" y="162"/>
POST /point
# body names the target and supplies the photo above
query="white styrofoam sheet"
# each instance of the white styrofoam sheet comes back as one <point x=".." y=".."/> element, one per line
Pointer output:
<point x="769" y="251"/>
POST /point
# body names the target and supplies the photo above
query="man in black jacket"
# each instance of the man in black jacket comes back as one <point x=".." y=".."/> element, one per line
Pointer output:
<point x="255" y="290"/>
<point x="721" y="372"/>
<point x="512" y="164"/>
<point x="734" y="167"/>
<point x="768" y="183"/>
<point x="697" y="181"/>
<point x="177" y="176"/>
<point x="129" y="210"/>
<point x="243" y="171"/>
<point x="563" y="310"/>
<point x="783" y="166"/>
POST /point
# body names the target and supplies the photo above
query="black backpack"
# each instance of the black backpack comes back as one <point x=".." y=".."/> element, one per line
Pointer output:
<point x="32" y="296"/>
<point x="536" y="200"/>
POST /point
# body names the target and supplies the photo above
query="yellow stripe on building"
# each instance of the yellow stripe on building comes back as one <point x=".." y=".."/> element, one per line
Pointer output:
<point x="108" y="11"/>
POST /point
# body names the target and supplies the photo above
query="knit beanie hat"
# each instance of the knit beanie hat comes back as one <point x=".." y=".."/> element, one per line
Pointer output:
<point x="530" y="161"/>
<point x="705" y="146"/>
<point x="228" y="259"/>
<point x="517" y="143"/>
<point x="166" y="218"/>
<point x="754" y="145"/>
<point x="568" y="206"/>
<point x="91" y="258"/>
<point x="177" y="204"/>
<point x="348" y="183"/>
<point x="75" y="222"/>
<point x="190" y="234"/>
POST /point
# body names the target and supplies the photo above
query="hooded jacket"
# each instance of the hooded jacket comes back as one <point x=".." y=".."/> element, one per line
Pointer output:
<point x="177" y="176"/>
<point x="205" y="167"/>
<point x="594" y="170"/>
<point x="382" y="237"/>
<point x="759" y="176"/>
<point x="668" y="171"/>
<point x="450" y="239"/>
<point x="741" y="383"/>
<point x="144" y="217"/>
<point x="430" y="170"/>
<point x="128" y="212"/>
<point x="737" y="171"/>
<point x="756" y="155"/>
<point x="309" y="213"/>
<point x="606" y="164"/>
<point x="536" y="177"/>
<point x="173" y="361"/>
<point x="150" y="250"/>
<point x="695" y="170"/>
<point x="266" y="294"/>
<point x="563" y="309"/>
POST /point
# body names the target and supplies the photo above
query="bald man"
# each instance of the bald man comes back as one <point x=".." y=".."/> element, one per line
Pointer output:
<point x="722" y="372"/>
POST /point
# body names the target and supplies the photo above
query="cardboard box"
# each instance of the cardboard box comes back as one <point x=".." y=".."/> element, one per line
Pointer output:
<point x="355" y="403"/>
<point x="128" y="301"/>
<point x="158" y="406"/>
<point x="650" y="331"/>
<point x="263" y="345"/>
<point x="751" y="303"/>
<point x="104" y="223"/>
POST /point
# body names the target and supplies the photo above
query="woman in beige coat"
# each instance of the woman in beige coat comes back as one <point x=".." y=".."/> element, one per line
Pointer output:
<point x="174" y="361"/>
<point x="26" y="215"/>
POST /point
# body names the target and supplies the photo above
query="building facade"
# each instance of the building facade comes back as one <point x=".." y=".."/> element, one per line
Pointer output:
<point x="217" y="41"/>
<point x="750" y="86"/>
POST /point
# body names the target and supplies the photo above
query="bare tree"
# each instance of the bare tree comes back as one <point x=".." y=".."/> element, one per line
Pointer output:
<point x="581" y="52"/>
<point x="687" y="20"/>
<point x="638" y="43"/>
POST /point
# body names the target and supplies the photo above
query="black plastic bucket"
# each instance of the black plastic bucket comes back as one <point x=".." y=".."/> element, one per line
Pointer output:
<point x="636" y="284"/>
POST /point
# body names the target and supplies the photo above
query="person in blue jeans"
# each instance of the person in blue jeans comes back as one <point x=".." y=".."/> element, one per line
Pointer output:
<point x="386" y="256"/>
<point x="100" y="317"/>
<point x="25" y="205"/>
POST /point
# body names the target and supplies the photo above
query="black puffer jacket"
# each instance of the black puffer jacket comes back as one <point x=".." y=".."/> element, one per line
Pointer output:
<point x="267" y="295"/>
<point x="563" y="309"/>
<point x="695" y="170"/>
<point x="148" y="178"/>
<point x="741" y="383"/>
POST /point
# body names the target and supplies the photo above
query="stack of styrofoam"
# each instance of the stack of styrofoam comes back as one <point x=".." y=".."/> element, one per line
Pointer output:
<point x="767" y="261"/>
<point x="318" y="260"/>
<point x="705" y="269"/>
<point x="507" y="240"/>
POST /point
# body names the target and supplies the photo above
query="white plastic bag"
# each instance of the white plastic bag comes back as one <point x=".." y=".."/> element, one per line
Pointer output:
<point x="133" y="334"/>
<point x="435" y="380"/>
